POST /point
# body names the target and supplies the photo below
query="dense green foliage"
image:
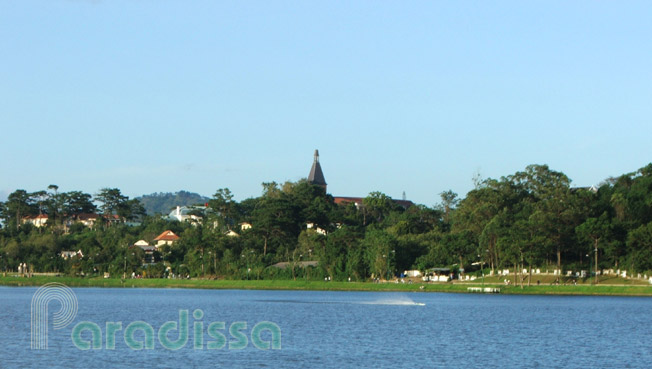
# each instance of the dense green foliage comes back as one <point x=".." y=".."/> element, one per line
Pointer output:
<point x="532" y="218"/>
<point x="164" y="202"/>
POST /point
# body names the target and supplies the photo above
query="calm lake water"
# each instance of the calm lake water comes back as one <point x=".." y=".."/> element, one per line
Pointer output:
<point x="345" y="330"/>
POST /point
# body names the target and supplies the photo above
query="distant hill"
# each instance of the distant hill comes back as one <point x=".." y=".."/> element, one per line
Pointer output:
<point x="164" y="202"/>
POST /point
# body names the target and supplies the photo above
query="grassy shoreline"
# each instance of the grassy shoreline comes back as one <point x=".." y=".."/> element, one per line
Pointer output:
<point x="302" y="285"/>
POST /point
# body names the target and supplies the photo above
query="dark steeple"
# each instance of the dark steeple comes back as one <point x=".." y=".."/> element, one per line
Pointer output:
<point x="316" y="176"/>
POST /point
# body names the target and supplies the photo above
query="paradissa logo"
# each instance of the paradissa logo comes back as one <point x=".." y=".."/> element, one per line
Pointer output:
<point x="140" y="335"/>
<point x="39" y="312"/>
<point x="180" y="330"/>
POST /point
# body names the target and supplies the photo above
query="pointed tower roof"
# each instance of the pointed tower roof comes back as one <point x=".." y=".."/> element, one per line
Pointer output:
<point x="316" y="176"/>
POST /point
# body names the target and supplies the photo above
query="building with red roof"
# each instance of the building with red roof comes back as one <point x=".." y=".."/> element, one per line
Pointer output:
<point x="166" y="238"/>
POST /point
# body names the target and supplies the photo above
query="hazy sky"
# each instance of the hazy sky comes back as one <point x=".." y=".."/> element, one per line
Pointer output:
<point x="163" y="95"/>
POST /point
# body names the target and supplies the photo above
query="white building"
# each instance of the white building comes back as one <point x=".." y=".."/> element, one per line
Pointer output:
<point x="187" y="213"/>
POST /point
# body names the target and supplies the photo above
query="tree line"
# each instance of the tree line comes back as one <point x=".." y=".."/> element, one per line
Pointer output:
<point x="530" y="219"/>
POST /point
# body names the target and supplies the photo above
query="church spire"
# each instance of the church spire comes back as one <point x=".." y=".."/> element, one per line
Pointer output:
<point x="316" y="176"/>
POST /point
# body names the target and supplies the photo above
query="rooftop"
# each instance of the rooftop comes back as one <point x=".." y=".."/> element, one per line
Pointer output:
<point x="167" y="236"/>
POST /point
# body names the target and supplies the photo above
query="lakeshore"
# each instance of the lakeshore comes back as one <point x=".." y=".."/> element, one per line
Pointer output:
<point x="303" y="285"/>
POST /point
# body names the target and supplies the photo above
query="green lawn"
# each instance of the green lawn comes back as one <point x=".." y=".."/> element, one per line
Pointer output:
<point x="550" y="279"/>
<point x="543" y="289"/>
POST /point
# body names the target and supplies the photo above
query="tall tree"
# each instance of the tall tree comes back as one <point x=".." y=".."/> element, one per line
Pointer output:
<point x="377" y="206"/>
<point x="550" y="191"/>
<point x="54" y="203"/>
<point x="448" y="202"/>
<point x="593" y="230"/>
<point x="3" y="214"/>
<point x="111" y="200"/>
<point x="380" y="250"/>
<point x="271" y="189"/>
<point x="18" y="205"/>
<point x="276" y="221"/>
<point x="224" y="207"/>
<point x="77" y="202"/>
<point x="477" y="214"/>
<point x="131" y="209"/>
<point x="639" y="245"/>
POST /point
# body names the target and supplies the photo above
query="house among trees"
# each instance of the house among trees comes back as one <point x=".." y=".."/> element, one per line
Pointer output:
<point x="316" y="228"/>
<point x="529" y="221"/>
<point x="71" y="254"/>
<point x="144" y="245"/>
<point x="591" y="189"/>
<point x="87" y="219"/>
<point x="149" y="251"/>
<point x="187" y="213"/>
<point x="90" y="219"/>
<point x="37" y="221"/>
<point x="166" y="238"/>
<point x="113" y="218"/>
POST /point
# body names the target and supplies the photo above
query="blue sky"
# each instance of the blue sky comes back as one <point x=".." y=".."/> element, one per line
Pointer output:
<point x="152" y="96"/>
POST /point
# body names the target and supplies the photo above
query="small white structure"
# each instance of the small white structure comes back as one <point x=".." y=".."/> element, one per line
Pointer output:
<point x="412" y="273"/>
<point x="244" y="226"/>
<point x="315" y="228"/>
<point x="71" y="254"/>
<point x="436" y="278"/>
<point x="184" y="214"/>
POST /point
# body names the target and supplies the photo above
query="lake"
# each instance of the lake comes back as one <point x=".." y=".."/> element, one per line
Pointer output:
<point x="335" y="330"/>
